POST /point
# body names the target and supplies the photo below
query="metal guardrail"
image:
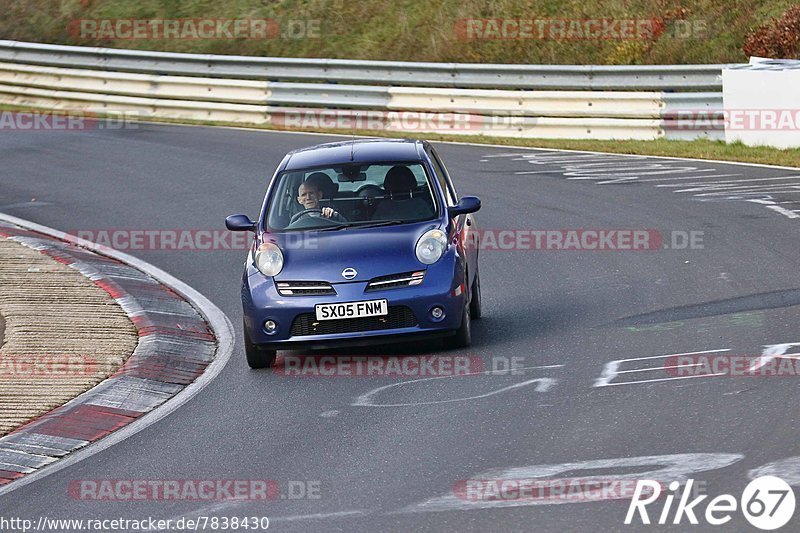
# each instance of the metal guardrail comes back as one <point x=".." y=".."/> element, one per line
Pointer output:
<point x="465" y="75"/>
<point x="626" y="104"/>
<point x="243" y="90"/>
<point x="299" y="118"/>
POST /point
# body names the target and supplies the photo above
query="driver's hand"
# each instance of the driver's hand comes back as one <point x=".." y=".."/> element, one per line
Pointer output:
<point x="328" y="212"/>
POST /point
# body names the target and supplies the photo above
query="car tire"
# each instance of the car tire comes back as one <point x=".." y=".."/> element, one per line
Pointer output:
<point x="463" y="336"/>
<point x="475" y="300"/>
<point x="257" y="357"/>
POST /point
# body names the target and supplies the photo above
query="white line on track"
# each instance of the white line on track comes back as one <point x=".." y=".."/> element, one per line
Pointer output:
<point x="786" y="212"/>
<point x="648" y="180"/>
<point x="734" y="188"/>
<point x="608" y="162"/>
<point x="554" y="171"/>
<point x="750" y="191"/>
<point x="473" y="494"/>
<point x="773" y="351"/>
<point x="577" y="159"/>
<point x="544" y="151"/>
<point x="660" y="379"/>
<point x="318" y="516"/>
<point x="629" y="173"/>
<point x="656" y="368"/>
<point x="671" y="355"/>
<point x="611" y="369"/>
<point x="739" y="181"/>
<point x="543" y="385"/>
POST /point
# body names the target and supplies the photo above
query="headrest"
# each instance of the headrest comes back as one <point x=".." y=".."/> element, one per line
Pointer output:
<point x="399" y="179"/>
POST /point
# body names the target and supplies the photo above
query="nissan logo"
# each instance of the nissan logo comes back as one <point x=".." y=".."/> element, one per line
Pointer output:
<point x="349" y="273"/>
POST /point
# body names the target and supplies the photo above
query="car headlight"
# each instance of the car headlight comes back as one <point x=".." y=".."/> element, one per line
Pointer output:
<point x="431" y="246"/>
<point x="269" y="259"/>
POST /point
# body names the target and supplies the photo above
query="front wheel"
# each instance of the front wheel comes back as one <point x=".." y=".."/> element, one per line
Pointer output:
<point x="463" y="336"/>
<point x="257" y="357"/>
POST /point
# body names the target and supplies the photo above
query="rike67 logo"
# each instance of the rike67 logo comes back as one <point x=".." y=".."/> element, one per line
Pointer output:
<point x="767" y="503"/>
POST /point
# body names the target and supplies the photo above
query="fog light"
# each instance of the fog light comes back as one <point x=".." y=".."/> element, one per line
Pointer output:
<point x="270" y="326"/>
<point x="437" y="313"/>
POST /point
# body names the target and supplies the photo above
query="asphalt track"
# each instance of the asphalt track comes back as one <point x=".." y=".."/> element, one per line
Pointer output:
<point x="574" y="312"/>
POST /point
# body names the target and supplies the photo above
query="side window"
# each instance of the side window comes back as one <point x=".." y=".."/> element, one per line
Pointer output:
<point x="447" y="184"/>
<point x="419" y="174"/>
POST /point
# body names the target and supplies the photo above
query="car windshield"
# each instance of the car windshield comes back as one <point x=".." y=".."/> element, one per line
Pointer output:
<point x="352" y="195"/>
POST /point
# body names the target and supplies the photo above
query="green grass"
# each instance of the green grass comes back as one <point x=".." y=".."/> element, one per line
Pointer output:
<point x="413" y="30"/>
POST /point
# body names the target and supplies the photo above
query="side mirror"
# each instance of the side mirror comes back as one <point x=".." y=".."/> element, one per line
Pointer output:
<point x="240" y="223"/>
<point x="468" y="204"/>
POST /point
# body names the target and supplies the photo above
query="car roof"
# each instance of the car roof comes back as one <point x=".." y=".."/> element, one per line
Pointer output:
<point x="355" y="151"/>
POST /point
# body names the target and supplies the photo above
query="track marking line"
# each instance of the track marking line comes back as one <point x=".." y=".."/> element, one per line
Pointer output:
<point x="543" y="385"/>
<point x="660" y="379"/>
<point x="671" y="355"/>
<point x="611" y="369"/>
<point x="772" y="351"/>
<point x="723" y="182"/>
<point x="648" y="180"/>
<point x="473" y="494"/>
<point x="318" y="516"/>
<point x="783" y="211"/>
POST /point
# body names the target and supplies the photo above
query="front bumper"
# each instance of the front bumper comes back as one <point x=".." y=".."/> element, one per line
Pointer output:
<point x="261" y="301"/>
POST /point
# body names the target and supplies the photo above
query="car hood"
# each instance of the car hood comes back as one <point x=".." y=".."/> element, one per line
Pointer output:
<point x="372" y="252"/>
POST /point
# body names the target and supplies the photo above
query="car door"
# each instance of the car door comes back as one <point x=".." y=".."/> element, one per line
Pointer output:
<point x="465" y="224"/>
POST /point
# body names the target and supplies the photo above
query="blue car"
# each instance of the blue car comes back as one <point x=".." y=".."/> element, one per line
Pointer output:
<point x="359" y="242"/>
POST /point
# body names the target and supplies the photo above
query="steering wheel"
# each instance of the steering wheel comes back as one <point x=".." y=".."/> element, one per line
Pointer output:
<point x="304" y="213"/>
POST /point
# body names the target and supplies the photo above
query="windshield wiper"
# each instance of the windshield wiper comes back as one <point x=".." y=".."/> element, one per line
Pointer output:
<point x="364" y="225"/>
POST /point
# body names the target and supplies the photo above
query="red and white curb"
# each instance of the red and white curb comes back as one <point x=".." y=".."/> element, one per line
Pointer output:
<point x="184" y="342"/>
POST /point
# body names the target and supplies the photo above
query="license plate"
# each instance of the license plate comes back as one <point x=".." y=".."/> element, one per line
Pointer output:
<point x="352" y="309"/>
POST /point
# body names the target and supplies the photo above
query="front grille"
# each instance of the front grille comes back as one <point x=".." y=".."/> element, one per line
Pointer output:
<point x="399" y="316"/>
<point x="395" y="281"/>
<point x="305" y="288"/>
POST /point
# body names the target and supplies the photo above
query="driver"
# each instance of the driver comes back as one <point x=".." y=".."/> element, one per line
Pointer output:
<point x="310" y="193"/>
